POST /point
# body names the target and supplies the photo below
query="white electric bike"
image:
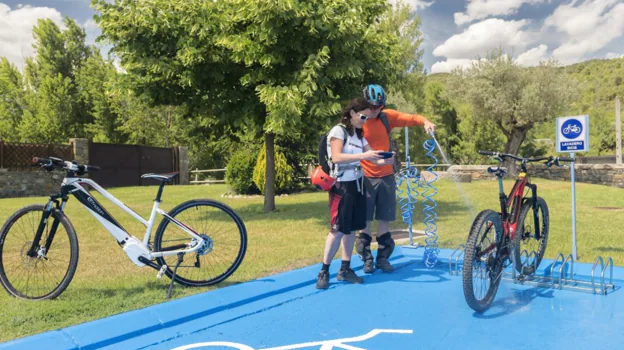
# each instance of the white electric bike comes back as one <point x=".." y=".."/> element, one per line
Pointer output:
<point x="39" y="247"/>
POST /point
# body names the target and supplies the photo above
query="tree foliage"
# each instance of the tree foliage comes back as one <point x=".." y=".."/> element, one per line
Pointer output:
<point x="272" y="67"/>
<point x="514" y="98"/>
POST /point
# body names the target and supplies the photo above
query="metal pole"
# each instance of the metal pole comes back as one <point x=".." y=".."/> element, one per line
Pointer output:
<point x="618" y="132"/>
<point x="573" y="180"/>
<point x="409" y="195"/>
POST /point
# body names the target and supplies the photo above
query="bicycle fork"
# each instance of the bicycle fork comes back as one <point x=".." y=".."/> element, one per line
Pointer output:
<point x="536" y="227"/>
<point x="36" y="250"/>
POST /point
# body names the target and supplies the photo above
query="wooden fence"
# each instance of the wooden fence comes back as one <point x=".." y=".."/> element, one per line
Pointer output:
<point x="18" y="156"/>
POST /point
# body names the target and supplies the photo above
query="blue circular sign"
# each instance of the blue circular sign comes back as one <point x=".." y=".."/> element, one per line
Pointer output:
<point x="571" y="128"/>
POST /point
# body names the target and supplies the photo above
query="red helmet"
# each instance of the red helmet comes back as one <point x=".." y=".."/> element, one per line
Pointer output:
<point x="322" y="180"/>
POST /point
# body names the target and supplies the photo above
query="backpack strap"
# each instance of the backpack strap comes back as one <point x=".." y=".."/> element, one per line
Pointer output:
<point x="386" y="123"/>
<point x="345" y="135"/>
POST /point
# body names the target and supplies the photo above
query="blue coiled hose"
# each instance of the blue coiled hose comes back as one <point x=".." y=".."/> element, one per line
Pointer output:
<point x="407" y="197"/>
<point x="429" y="206"/>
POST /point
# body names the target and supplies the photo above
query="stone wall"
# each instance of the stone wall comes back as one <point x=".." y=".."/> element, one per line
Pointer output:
<point x="601" y="174"/>
<point x="28" y="183"/>
<point x="14" y="183"/>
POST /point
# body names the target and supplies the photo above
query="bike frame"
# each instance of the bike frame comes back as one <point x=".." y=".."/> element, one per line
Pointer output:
<point x="511" y="205"/>
<point x="74" y="185"/>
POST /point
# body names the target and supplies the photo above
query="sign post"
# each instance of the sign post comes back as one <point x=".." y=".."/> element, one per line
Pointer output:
<point x="573" y="136"/>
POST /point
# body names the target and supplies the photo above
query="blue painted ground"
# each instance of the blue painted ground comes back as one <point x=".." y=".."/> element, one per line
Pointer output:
<point x="413" y="308"/>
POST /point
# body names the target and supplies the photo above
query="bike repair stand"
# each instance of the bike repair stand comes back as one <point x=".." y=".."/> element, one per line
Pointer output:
<point x="407" y="197"/>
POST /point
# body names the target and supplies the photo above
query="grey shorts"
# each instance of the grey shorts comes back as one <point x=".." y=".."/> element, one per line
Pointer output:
<point x="380" y="198"/>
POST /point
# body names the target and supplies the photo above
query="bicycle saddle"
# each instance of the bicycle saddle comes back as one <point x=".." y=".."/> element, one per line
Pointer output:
<point x="495" y="169"/>
<point x="162" y="177"/>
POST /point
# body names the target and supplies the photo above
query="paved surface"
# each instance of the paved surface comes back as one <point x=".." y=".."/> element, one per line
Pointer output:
<point x="412" y="308"/>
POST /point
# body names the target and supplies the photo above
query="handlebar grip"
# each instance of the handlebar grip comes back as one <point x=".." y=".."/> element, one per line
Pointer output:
<point x="39" y="160"/>
<point x="47" y="161"/>
<point x="487" y="153"/>
<point x="88" y="168"/>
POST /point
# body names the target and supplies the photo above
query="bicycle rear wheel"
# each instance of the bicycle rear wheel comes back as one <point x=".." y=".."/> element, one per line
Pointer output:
<point x="222" y="229"/>
<point x="481" y="270"/>
<point x="46" y="275"/>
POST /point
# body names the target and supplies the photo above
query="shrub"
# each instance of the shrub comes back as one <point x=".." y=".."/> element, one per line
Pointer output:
<point x="240" y="170"/>
<point x="283" y="171"/>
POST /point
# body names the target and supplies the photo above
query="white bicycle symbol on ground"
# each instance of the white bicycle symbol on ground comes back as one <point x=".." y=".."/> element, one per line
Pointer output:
<point x="575" y="129"/>
<point x="322" y="345"/>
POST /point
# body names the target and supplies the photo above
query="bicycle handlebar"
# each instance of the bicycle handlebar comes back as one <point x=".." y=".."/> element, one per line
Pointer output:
<point x="550" y="161"/>
<point x="52" y="163"/>
<point x="520" y="159"/>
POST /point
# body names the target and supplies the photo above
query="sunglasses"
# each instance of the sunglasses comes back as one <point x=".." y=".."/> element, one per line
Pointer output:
<point x="363" y="116"/>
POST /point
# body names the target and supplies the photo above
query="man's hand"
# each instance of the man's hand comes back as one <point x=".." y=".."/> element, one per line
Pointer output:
<point x="429" y="127"/>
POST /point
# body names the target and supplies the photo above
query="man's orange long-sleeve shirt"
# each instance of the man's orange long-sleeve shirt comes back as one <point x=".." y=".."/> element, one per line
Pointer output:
<point x="377" y="137"/>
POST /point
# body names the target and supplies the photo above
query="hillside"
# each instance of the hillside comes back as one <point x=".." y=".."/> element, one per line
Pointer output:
<point x="599" y="82"/>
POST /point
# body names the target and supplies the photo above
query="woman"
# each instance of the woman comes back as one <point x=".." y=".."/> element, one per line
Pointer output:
<point x="347" y="198"/>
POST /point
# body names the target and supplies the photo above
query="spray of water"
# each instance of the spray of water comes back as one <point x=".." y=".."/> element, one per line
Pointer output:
<point x="455" y="179"/>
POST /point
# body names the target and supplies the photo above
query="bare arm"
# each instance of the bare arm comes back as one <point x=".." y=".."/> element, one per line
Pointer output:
<point x="380" y="161"/>
<point x="338" y="157"/>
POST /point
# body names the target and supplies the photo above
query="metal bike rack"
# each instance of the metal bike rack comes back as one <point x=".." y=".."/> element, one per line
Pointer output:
<point x="454" y="270"/>
<point x="561" y="278"/>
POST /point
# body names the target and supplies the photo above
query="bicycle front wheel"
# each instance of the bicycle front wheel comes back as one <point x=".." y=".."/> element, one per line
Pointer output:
<point x="225" y="239"/>
<point x="526" y="238"/>
<point x="48" y="273"/>
<point x="481" y="269"/>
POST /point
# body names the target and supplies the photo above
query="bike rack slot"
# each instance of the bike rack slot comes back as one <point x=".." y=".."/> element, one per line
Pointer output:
<point x="460" y="250"/>
<point x="565" y="278"/>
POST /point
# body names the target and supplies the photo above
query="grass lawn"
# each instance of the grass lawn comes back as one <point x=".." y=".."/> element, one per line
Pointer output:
<point x="107" y="283"/>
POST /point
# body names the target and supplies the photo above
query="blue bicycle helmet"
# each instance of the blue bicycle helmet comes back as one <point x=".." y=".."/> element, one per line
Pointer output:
<point x="375" y="95"/>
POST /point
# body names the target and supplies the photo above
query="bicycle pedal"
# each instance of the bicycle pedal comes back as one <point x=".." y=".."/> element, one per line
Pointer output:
<point x="161" y="272"/>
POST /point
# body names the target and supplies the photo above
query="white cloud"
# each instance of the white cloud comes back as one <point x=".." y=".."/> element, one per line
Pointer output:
<point x="480" y="9"/>
<point x="450" y="64"/>
<point x="533" y="56"/>
<point x="415" y="4"/>
<point x="16" y="30"/>
<point x="612" y="55"/>
<point x="91" y="30"/>
<point x="484" y="36"/>
<point x="589" y="24"/>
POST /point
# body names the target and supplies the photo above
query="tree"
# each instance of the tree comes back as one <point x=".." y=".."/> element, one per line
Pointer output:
<point x="12" y="100"/>
<point x="272" y="67"/>
<point x="514" y="98"/>
<point x="56" y="109"/>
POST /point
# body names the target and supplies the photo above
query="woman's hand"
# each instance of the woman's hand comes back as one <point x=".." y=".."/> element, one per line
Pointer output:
<point x="371" y="155"/>
<point x="386" y="160"/>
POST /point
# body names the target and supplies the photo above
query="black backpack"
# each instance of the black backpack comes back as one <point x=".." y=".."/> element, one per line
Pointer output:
<point x="323" y="157"/>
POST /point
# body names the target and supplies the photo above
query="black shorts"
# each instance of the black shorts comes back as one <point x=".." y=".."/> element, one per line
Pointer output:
<point x="381" y="198"/>
<point x="347" y="207"/>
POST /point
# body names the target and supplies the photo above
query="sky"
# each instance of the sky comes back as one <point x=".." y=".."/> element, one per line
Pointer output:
<point x="455" y="32"/>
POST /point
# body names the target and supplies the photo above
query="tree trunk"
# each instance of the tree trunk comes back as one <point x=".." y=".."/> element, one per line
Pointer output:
<point x="514" y="141"/>
<point x="269" y="182"/>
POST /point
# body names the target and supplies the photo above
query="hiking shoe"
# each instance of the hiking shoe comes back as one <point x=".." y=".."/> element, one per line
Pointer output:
<point x="369" y="266"/>
<point x="349" y="276"/>
<point x="323" y="280"/>
<point x="384" y="265"/>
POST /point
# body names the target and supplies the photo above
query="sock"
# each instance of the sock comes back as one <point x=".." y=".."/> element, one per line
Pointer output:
<point x="345" y="264"/>
<point x="325" y="268"/>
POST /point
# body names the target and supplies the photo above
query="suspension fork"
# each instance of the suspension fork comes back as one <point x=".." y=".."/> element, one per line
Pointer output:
<point x="47" y="212"/>
<point x="537" y="226"/>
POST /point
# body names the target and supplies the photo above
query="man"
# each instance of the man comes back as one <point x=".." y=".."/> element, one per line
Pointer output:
<point x="379" y="179"/>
